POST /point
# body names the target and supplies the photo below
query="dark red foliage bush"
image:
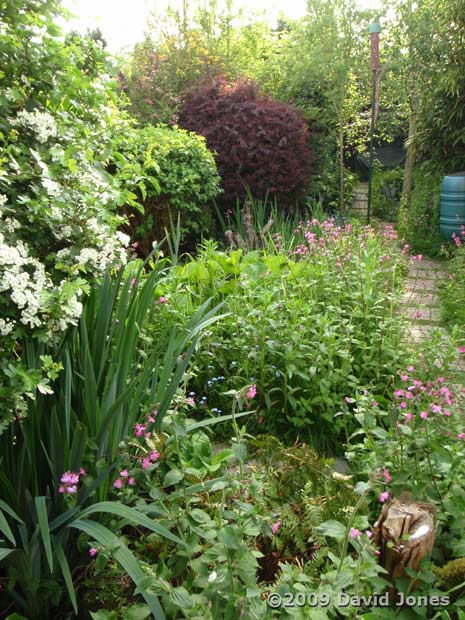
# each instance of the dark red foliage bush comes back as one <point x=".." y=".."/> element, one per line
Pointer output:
<point x="260" y="144"/>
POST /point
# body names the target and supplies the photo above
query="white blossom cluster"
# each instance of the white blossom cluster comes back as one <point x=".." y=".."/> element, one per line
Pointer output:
<point x="26" y="282"/>
<point x="3" y="200"/>
<point x="41" y="123"/>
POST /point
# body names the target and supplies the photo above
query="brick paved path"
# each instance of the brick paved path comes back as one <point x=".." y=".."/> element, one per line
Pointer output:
<point x="422" y="305"/>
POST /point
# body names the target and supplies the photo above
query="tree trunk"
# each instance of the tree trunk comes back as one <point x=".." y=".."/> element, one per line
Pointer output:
<point x="341" y="166"/>
<point x="410" y="159"/>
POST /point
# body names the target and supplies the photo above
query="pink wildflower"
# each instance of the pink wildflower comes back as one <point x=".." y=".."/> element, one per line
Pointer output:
<point x="162" y="300"/>
<point x="387" y="475"/>
<point x="252" y="391"/>
<point x="354" y="533"/>
<point x="408" y="417"/>
<point x="404" y="377"/>
<point x="131" y="481"/>
<point x="423" y="415"/>
<point x="403" y="405"/>
<point x="436" y="408"/>
<point x="146" y="463"/>
<point x="384" y="496"/>
<point x="92" y="552"/>
<point x="140" y="430"/>
<point x="275" y="527"/>
<point x="154" y="456"/>
<point x="118" y="483"/>
<point x="411" y="368"/>
<point x="369" y="533"/>
<point x="461" y="349"/>
<point x="124" y="473"/>
<point x="461" y="435"/>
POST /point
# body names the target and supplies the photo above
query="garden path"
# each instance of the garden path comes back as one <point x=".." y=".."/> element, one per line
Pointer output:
<point x="360" y="200"/>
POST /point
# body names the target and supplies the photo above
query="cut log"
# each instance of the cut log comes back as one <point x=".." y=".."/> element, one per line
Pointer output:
<point x="404" y="534"/>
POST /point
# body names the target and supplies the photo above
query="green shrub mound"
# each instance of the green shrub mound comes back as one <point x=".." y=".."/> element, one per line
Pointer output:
<point x="184" y="182"/>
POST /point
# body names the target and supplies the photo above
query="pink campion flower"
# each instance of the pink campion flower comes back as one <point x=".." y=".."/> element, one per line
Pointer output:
<point x="354" y="533"/>
<point x="384" y="496"/>
<point x="191" y="401"/>
<point x="408" y="417"/>
<point x="446" y="412"/>
<point x="461" y="349"/>
<point x="146" y="463"/>
<point x="408" y="395"/>
<point x="69" y="477"/>
<point x="387" y="475"/>
<point x="151" y="419"/>
<point x="441" y="379"/>
<point x="131" y="481"/>
<point x="82" y="472"/>
<point x="275" y="527"/>
<point x="124" y="473"/>
<point x="133" y="281"/>
<point x="369" y="533"/>
<point x="405" y="249"/>
<point x="398" y="393"/>
<point x="154" y="456"/>
<point x="69" y="481"/>
<point x="375" y="404"/>
<point x="252" y="391"/>
<point x="411" y="368"/>
<point x="424" y="415"/>
<point x="162" y="300"/>
<point x="118" y="483"/>
<point x="147" y="435"/>
<point x="461" y="435"/>
<point x="404" y="377"/>
<point x="140" y="430"/>
<point x="92" y="552"/>
<point x="403" y="405"/>
<point x="436" y="408"/>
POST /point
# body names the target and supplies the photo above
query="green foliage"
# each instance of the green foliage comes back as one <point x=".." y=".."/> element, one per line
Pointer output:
<point x="418" y="223"/>
<point x="452" y="574"/>
<point x="205" y="497"/>
<point x="58" y="226"/>
<point x="386" y="193"/>
<point x="110" y="372"/>
<point x="406" y="435"/>
<point x="178" y="176"/>
<point x="452" y="291"/>
<point x="307" y="339"/>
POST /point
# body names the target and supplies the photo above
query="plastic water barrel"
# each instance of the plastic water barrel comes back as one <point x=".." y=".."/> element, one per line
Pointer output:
<point x="452" y="215"/>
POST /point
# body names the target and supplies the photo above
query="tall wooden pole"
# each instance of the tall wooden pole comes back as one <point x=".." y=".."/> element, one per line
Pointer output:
<point x="374" y="31"/>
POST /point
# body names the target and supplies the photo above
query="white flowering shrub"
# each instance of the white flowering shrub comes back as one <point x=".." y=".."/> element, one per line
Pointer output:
<point x="59" y="192"/>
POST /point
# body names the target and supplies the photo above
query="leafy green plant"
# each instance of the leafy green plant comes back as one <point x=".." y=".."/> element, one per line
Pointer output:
<point x="181" y="181"/>
<point x="386" y="193"/>
<point x="419" y="221"/>
<point x="306" y="339"/>
<point x="111" y="374"/>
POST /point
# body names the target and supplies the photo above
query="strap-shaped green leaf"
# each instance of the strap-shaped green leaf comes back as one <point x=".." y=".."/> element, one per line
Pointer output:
<point x="134" y="516"/>
<point x="44" y="528"/>
<point x="122" y="555"/>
